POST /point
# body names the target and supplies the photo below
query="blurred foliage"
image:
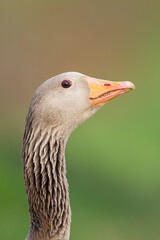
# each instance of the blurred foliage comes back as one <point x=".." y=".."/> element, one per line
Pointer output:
<point x="113" y="159"/>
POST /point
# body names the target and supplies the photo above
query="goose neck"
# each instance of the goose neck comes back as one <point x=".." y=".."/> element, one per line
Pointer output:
<point x="46" y="184"/>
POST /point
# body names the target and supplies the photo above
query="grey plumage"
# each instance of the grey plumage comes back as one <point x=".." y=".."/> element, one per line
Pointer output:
<point x="46" y="184"/>
<point x="53" y="114"/>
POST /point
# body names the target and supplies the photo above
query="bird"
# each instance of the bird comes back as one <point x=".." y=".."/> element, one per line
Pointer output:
<point x="57" y="107"/>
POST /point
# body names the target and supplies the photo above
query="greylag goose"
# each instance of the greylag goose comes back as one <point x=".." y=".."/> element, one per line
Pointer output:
<point x="58" y="106"/>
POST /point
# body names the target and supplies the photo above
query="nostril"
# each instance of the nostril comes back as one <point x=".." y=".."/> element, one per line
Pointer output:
<point x="107" y="84"/>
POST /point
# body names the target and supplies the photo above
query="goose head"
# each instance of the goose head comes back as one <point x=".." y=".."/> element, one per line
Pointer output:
<point x="58" y="106"/>
<point x="68" y="99"/>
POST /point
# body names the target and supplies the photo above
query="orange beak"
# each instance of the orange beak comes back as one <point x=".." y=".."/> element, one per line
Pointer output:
<point x="101" y="91"/>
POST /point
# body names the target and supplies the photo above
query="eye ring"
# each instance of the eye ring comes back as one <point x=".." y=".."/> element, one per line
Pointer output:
<point x="66" y="83"/>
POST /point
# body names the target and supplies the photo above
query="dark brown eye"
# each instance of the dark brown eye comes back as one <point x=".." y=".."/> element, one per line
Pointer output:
<point x="66" y="83"/>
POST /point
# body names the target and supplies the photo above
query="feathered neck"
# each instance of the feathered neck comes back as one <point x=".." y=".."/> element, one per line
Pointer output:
<point x="46" y="184"/>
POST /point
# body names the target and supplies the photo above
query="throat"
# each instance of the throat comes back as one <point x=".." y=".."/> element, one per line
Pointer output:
<point x="46" y="184"/>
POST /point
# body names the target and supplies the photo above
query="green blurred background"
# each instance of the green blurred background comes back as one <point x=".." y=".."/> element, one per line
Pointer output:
<point x="113" y="159"/>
